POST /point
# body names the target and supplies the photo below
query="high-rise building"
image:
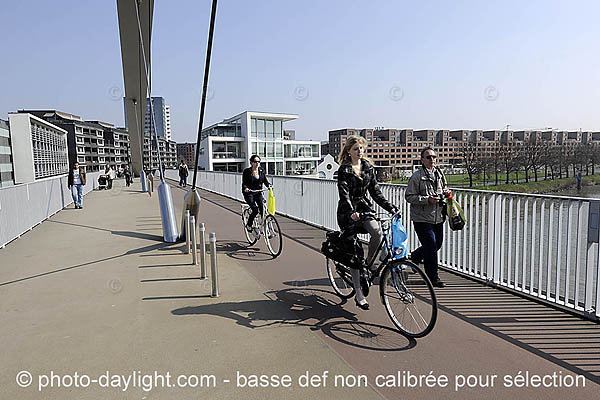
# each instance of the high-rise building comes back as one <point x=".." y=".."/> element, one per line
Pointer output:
<point x="6" y="159"/>
<point x="162" y="117"/>
<point x="39" y="148"/>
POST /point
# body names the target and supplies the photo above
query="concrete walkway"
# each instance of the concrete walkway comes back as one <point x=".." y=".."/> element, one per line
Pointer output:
<point x="96" y="292"/>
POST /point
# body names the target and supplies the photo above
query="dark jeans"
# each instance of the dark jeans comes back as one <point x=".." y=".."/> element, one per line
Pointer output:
<point x="431" y="237"/>
<point x="255" y="201"/>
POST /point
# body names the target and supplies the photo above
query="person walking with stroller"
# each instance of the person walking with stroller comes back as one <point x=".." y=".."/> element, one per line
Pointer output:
<point x="425" y="193"/>
<point x="183" y="173"/>
<point x="356" y="177"/>
<point x="75" y="182"/>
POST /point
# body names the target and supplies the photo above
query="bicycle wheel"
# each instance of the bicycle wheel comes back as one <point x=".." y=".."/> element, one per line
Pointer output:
<point x="250" y="236"/>
<point x="273" y="236"/>
<point x="408" y="297"/>
<point x="340" y="279"/>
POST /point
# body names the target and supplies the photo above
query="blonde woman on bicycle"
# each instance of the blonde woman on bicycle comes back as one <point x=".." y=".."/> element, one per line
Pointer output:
<point x="253" y="179"/>
<point x="356" y="177"/>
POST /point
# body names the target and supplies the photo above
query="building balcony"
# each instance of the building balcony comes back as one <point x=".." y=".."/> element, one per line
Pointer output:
<point x="228" y="154"/>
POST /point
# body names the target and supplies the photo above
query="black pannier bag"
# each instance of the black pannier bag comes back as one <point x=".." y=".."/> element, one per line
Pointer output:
<point x="344" y="249"/>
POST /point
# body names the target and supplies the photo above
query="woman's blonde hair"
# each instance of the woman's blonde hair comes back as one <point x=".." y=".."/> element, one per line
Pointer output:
<point x="351" y="141"/>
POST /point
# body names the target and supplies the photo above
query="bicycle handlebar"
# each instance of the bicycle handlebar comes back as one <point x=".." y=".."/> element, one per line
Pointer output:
<point x="259" y="190"/>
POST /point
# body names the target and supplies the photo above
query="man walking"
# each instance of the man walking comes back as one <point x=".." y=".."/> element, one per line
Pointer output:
<point x="183" y="173"/>
<point x="426" y="188"/>
<point x="75" y="182"/>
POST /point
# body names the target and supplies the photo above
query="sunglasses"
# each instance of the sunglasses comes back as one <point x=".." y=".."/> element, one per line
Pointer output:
<point x="431" y="157"/>
<point x="255" y="161"/>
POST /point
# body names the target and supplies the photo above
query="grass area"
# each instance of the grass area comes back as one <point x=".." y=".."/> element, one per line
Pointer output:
<point x="539" y="187"/>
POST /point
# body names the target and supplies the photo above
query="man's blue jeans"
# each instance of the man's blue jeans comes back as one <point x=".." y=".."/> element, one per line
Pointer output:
<point x="77" y="193"/>
<point x="431" y="237"/>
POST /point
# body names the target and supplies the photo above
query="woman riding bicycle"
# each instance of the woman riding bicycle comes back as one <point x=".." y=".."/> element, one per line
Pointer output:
<point x="253" y="179"/>
<point x="356" y="176"/>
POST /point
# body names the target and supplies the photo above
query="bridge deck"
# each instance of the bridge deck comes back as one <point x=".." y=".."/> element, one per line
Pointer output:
<point x="96" y="290"/>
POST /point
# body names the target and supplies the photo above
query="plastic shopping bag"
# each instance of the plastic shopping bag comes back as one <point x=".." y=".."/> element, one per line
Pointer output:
<point x="456" y="217"/>
<point x="399" y="238"/>
<point x="271" y="203"/>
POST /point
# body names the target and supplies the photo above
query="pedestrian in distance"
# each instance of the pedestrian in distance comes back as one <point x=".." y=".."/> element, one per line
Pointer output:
<point x="183" y="173"/>
<point x="110" y="173"/>
<point x="426" y="192"/>
<point x="356" y="177"/>
<point x="149" y="180"/>
<point x="127" y="175"/>
<point x="75" y="182"/>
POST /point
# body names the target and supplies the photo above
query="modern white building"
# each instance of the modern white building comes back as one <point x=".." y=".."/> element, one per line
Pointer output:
<point x="227" y="145"/>
<point x="39" y="148"/>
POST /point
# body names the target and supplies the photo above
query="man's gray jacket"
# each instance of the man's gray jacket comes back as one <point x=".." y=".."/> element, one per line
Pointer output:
<point x="421" y="185"/>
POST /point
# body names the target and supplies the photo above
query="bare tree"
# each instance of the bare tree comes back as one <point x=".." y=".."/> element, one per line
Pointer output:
<point x="469" y="154"/>
<point x="507" y="154"/>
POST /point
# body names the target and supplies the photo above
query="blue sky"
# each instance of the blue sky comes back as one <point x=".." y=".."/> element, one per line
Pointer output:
<point x="397" y="64"/>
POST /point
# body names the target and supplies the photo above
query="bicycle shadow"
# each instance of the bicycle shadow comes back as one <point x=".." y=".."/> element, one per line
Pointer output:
<point x="242" y="251"/>
<point x="312" y="308"/>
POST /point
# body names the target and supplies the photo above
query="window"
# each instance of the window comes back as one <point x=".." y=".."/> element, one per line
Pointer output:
<point x="253" y="128"/>
<point x="260" y="128"/>
<point x="278" y="131"/>
<point x="270" y="129"/>
<point x="279" y="150"/>
<point x="270" y="149"/>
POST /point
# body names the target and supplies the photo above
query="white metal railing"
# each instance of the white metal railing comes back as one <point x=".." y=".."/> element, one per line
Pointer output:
<point x="24" y="206"/>
<point x="541" y="246"/>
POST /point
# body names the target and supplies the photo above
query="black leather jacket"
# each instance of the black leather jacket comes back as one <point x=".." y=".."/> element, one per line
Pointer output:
<point x="353" y="192"/>
<point x="249" y="183"/>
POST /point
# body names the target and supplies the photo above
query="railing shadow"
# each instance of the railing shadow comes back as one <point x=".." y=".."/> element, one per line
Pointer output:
<point x="559" y="337"/>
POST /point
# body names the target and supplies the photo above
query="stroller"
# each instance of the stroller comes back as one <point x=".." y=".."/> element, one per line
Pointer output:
<point x="103" y="182"/>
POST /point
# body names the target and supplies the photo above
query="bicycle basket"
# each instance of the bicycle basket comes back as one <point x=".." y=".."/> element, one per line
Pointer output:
<point x="399" y="238"/>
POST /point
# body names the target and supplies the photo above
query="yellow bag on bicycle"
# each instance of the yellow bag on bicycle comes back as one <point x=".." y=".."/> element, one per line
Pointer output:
<point x="271" y="203"/>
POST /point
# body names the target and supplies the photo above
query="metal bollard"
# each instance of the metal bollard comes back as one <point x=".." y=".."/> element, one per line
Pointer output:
<point x="212" y="238"/>
<point x="202" y="251"/>
<point x="193" y="240"/>
<point x="187" y="232"/>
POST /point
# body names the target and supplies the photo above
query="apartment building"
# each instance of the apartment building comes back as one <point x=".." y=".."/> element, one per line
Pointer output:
<point x="401" y="148"/>
<point x="93" y="144"/>
<point x="39" y="148"/>
<point x="186" y="152"/>
<point x="168" y="152"/>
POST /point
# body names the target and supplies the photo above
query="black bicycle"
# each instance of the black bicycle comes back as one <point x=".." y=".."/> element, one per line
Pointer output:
<point x="264" y="223"/>
<point x="405" y="290"/>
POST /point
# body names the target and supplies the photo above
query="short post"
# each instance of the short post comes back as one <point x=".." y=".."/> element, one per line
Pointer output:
<point x="187" y="231"/>
<point x="202" y="251"/>
<point x="193" y="239"/>
<point x="212" y="238"/>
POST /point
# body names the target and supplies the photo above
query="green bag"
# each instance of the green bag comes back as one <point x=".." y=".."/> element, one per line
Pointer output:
<point x="456" y="217"/>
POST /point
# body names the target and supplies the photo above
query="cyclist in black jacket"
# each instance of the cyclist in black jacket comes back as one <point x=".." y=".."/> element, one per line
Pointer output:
<point x="356" y="177"/>
<point x="253" y="178"/>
